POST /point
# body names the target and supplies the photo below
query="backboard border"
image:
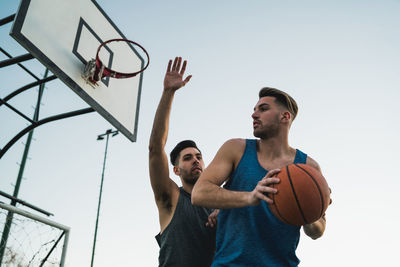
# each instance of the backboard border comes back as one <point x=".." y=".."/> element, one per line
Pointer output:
<point x="39" y="55"/>
<point x="83" y="23"/>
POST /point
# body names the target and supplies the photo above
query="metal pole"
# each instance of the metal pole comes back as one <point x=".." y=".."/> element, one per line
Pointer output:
<point x="14" y="60"/>
<point x="7" y="19"/>
<point x="26" y="204"/>
<point x="16" y="111"/>
<point x="7" y="225"/>
<point x="65" y="229"/>
<point x="100" y="137"/>
<point x="51" y="250"/>
<point x="28" y="86"/>
<point x="41" y="122"/>
<point x="22" y="66"/>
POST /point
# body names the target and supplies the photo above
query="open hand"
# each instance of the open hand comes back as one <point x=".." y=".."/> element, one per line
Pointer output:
<point x="174" y="77"/>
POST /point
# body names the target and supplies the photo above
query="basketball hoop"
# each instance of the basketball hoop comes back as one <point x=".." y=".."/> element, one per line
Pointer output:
<point x="95" y="70"/>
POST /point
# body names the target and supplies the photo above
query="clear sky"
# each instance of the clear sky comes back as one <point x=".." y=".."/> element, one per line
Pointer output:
<point x="339" y="59"/>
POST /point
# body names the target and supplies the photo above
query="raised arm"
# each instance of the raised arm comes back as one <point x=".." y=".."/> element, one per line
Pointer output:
<point x="208" y="192"/>
<point x="163" y="186"/>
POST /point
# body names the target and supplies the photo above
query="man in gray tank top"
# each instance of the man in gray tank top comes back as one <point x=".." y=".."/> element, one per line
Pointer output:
<point x="187" y="232"/>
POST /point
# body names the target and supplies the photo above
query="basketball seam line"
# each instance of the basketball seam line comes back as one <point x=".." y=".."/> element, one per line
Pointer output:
<point x="295" y="196"/>
<point x="277" y="210"/>
<point x="319" y="189"/>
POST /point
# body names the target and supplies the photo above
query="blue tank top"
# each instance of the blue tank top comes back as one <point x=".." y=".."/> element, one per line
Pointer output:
<point x="253" y="236"/>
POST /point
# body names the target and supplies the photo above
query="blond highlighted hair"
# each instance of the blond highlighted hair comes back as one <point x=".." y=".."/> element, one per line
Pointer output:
<point x="282" y="98"/>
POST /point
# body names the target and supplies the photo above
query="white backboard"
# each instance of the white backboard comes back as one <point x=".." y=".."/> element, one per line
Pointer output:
<point x="63" y="35"/>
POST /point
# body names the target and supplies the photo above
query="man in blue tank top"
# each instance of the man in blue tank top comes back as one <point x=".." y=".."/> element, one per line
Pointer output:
<point x="187" y="234"/>
<point x="248" y="234"/>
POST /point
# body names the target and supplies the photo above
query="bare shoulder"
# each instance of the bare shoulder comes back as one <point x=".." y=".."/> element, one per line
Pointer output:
<point x="313" y="163"/>
<point x="235" y="144"/>
<point x="232" y="151"/>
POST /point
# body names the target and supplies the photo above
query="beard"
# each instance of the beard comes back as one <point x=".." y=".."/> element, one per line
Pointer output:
<point x="189" y="177"/>
<point x="267" y="131"/>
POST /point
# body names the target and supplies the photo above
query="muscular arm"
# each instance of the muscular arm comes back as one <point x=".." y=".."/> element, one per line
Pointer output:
<point x="208" y="191"/>
<point x="158" y="161"/>
<point x="316" y="229"/>
<point x="163" y="186"/>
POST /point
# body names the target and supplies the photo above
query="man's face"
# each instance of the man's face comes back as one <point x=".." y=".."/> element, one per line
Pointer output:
<point x="190" y="165"/>
<point x="266" y="118"/>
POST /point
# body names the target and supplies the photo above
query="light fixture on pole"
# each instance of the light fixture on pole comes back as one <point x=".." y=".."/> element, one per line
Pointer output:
<point x="101" y="137"/>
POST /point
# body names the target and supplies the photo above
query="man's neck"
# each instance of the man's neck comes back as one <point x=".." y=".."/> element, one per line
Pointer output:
<point x="187" y="187"/>
<point x="274" y="148"/>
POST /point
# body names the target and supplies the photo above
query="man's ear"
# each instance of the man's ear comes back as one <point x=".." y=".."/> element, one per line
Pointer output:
<point x="286" y="116"/>
<point x="176" y="170"/>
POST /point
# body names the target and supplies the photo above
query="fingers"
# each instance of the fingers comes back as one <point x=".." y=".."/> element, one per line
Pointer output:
<point x="263" y="189"/>
<point x="169" y="65"/>
<point x="174" y="77"/>
<point x="264" y="186"/>
<point x="211" y="222"/>
<point x="212" y="219"/>
<point x="264" y="197"/>
<point x="187" y="79"/>
<point x="208" y="224"/>
<point x="176" y="66"/>
<point x="272" y="173"/>
<point x="183" y="67"/>
<point x="179" y="64"/>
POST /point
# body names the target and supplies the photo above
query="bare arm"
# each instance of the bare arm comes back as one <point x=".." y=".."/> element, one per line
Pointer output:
<point x="163" y="186"/>
<point x="208" y="191"/>
<point x="316" y="229"/>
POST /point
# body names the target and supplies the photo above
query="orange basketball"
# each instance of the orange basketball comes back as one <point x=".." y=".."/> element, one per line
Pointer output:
<point x="303" y="195"/>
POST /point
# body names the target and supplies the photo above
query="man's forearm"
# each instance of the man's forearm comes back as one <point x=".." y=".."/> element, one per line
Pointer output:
<point x="209" y="195"/>
<point x="316" y="229"/>
<point x="159" y="133"/>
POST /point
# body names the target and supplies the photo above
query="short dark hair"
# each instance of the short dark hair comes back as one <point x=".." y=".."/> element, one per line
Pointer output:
<point x="174" y="155"/>
<point x="282" y="98"/>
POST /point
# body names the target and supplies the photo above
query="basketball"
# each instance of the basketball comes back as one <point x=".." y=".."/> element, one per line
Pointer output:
<point x="303" y="195"/>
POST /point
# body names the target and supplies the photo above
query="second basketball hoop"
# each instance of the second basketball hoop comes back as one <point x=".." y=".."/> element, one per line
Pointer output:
<point x="95" y="70"/>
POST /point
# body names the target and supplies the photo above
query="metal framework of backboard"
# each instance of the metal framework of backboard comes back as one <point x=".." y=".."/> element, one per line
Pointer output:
<point x="64" y="36"/>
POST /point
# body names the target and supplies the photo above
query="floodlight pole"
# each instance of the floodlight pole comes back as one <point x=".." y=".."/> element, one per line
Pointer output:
<point x="9" y="219"/>
<point x="101" y="137"/>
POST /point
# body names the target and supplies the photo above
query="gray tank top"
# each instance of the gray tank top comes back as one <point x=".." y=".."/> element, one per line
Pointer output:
<point x="187" y="241"/>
